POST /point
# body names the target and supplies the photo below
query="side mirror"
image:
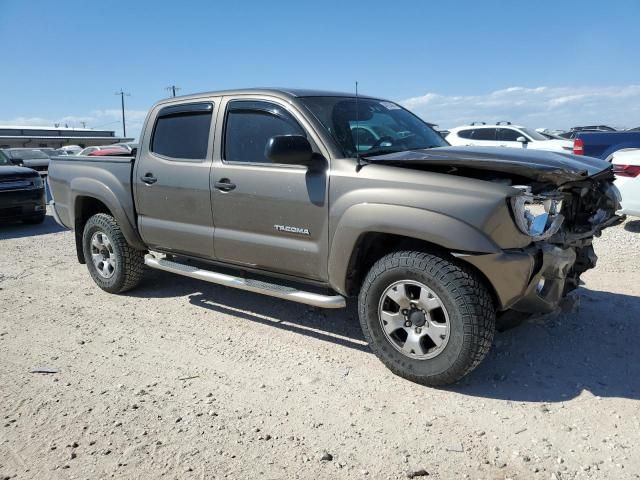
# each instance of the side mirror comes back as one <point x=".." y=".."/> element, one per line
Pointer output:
<point x="522" y="140"/>
<point x="289" y="150"/>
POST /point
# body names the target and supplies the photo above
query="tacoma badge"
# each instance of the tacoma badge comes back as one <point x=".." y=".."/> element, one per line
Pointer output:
<point x="287" y="228"/>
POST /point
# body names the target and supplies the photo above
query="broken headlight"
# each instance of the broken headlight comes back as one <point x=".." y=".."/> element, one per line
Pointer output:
<point x="537" y="215"/>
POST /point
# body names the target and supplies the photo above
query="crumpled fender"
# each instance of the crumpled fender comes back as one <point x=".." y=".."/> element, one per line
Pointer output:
<point x="442" y="230"/>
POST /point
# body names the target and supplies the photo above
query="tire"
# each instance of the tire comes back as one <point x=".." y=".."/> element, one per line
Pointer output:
<point x="459" y="321"/>
<point x="34" y="220"/>
<point x="122" y="266"/>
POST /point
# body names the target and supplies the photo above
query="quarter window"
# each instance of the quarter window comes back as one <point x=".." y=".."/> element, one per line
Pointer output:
<point x="182" y="131"/>
<point x="465" y="133"/>
<point x="250" y="125"/>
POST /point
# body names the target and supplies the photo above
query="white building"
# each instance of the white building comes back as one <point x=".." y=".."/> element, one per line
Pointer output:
<point x="29" y="136"/>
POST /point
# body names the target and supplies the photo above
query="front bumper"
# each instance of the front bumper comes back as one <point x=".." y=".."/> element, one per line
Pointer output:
<point x="19" y="204"/>
<point x="531" y="280"/>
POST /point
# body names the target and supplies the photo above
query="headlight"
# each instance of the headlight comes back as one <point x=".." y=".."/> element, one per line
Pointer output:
<point x="537" y="215"/>
<point x="37" y="182"/>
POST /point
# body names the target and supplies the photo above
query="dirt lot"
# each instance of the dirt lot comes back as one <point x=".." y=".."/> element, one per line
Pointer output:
<point x="182" y="379"/>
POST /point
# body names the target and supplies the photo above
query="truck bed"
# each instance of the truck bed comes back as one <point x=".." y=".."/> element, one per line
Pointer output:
<point x="108" y="177"/>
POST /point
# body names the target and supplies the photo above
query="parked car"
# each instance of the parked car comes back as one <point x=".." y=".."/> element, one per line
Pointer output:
<point x="21" y="193"/>
<point x="504" y="134"/>
<point x="71" y="149"/>
<point x="571" y="134"/>
<point x="434" y="240"/>
<point x="89" y="150"/>
<point x="128" y="145"/>
<point x="28" y="157"/>
<point x="626" y="166"/>
<point x="604" y="144"/>
<point x="51" y="152"/>
<point x="114" y="152"/>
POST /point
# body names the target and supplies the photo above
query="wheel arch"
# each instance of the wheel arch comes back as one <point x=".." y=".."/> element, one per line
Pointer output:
<point x="366" y="232"/>
<point x="91" y="197"/>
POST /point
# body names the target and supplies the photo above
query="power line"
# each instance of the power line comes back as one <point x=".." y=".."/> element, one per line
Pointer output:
<point x="172" y="89"/>
<point x="124" y="125"/>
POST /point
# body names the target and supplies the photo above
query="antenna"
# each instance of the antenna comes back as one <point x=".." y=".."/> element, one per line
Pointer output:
<point x="357" y="124"/>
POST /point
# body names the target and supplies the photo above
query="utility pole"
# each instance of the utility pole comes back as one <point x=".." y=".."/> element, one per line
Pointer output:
<point x="124" y="125"/>
<point x="172" y="89"/>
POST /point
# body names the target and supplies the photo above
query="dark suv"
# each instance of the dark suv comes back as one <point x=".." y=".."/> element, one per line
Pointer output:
<point x="21" y="193"/>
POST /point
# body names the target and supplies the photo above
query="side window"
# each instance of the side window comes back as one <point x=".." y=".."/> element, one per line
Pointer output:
<point x="182" y="131"/>
<point x="484" y="134"/>
<point x="250" y="125"/>
<point x="508" y="135"/>
<point x="465" y="133"/>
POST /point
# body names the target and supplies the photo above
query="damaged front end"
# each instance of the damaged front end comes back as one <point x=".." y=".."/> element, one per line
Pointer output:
<point x="562" y="222"/>
<point x="561" y="202"/>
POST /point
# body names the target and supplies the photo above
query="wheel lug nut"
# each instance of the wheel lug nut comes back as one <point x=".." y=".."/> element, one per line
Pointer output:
<point x="418" y="330"/>
<point x="407" y="323"/>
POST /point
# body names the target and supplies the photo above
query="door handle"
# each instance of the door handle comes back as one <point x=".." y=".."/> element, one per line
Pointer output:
<point x="225" y="185"/>
<point x="148" y="178"/>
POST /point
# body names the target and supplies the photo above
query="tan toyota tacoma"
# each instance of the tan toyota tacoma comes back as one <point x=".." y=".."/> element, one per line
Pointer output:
<point x="316" y="197"/>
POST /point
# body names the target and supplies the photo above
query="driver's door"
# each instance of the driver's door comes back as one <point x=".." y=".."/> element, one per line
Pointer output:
<point x="267" y="216"/>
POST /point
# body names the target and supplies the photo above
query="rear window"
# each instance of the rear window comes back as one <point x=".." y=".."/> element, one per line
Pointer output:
<point x="484" y="134"/>
<point x="182" y="131"/>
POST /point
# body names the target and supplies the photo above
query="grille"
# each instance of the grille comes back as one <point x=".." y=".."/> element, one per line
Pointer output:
<point x="10" y="212"/>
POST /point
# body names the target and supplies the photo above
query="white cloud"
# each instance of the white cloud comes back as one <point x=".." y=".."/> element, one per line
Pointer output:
<point x="109" y="119"/>
<point x="550" y="107"/>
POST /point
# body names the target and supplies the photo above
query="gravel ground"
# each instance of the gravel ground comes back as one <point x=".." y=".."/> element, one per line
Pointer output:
<point x="183" y="379"/>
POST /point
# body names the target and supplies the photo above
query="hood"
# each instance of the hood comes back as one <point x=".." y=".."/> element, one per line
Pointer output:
<point x="538" y="165"/>
<point x="11" y="171"/>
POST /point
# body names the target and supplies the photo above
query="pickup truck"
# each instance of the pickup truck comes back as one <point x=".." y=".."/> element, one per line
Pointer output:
<point x="604" y="144"/>
<point x="272" y="191"/>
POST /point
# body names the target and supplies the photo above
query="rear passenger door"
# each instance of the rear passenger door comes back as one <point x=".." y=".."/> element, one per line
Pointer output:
<point x="268" y="216"/>
<point x="171" y="178"/>
<point x="508" y="137"/>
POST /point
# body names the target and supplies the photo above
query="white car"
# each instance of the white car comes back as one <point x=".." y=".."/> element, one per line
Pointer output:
<point x="626" y="166"/>
<point x="504" y="134"/>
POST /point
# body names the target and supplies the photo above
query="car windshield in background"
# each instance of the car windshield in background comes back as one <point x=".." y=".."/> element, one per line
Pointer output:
<point x="533" y="134"/>
<point x="365" y="126"/>
<point x="27" y="154"/>
<point x="4" y="160"/>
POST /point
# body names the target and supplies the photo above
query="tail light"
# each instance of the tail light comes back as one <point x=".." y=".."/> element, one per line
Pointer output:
<point x="626" y="170"/>
<point x="578" y="146"/>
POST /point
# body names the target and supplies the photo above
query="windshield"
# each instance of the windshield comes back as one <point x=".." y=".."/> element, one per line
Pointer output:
<point x="26" y="154"/>
<point x="533" y="134"/>
<point x="374" y="127"/>
<point x="4" y="160"/>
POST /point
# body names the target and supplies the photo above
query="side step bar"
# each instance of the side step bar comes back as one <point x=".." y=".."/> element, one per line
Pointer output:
<point x="257" y="286"/>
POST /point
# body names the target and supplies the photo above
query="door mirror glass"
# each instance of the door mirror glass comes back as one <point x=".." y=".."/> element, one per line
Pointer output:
<point x="289" y="150"/>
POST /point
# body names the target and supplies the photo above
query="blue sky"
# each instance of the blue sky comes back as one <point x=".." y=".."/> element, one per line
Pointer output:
<point x="547" y="63"/>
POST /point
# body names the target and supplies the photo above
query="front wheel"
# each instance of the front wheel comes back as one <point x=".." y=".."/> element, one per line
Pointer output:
<point x="113" y="264"/>
<point x="427" y="319"/>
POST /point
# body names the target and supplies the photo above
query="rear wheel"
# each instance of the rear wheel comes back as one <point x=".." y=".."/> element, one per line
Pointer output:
<point x="427" y="319"/>
<point x="113" y="264"/>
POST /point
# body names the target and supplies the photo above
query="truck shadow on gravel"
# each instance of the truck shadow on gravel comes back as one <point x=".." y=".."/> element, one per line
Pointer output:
<point x="556" y="358"/>
<point x="10" y="230"/>
<point x="338" y="326"/>
<point x="552" y="359"/>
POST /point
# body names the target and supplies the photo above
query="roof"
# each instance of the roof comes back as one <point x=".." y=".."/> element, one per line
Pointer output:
<point x="285" y="92"/>
<point x="495" y="125"/>
<point x="38" y="127"/>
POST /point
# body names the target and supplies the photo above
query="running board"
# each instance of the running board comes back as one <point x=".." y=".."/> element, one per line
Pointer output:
<point x="257" y="286"/>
